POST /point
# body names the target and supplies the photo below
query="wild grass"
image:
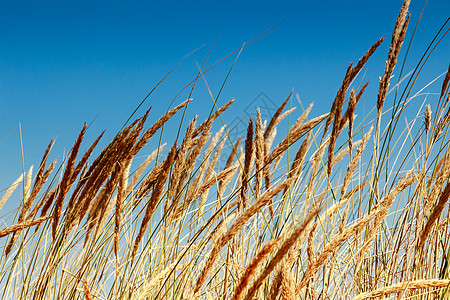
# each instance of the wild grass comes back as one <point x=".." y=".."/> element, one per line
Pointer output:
<point x="370" y="219"/>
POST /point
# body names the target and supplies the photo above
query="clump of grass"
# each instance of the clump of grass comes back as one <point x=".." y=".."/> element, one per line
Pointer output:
<point x="369" y="220"/>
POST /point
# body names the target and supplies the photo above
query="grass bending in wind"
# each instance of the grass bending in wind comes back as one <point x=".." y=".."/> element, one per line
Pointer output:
<point x="359" y="210"/>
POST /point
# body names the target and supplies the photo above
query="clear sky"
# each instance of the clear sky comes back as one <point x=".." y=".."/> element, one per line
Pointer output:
<point x="66" y="62"/>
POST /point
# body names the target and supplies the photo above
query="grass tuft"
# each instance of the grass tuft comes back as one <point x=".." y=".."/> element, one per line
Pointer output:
<point x="350" y="214"/>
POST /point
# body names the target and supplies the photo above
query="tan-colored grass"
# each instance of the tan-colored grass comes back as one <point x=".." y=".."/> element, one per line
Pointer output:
<point x="37" y="187"/>
<point x="24" y="224"/>
<point x="287" y="284"/>
<point x="64" y="188"/>
<point x="10" y="190"/>
<point x="336" y="108"/>
<point x="210" y="218"/>
<point x="238" y="223"/>
<point x="398" y="35"/>
<point x="435" y="214"/>
<point x="259" y="154"/>
<point x="331" y="246"/>
<point x="293" y="136"/>
<point x="87" y="291"/>
<point x="282" y="251"/>
<point x="346" y="116"/>
<point x="121" y="194"/>
<point x="150" y="286"/>
<point x="251" y="268"/>
<point x="351" y="111"/>
<point x="404" y="286"/>
<point x="351" y="167"/>
<point x="427" y="121"/>
<point x="208" y="122"/>
<point x="157" y="125"/>
<point x="248" y="159"/>
<point x="154" y="198"/>
<point x="275" y="118"/>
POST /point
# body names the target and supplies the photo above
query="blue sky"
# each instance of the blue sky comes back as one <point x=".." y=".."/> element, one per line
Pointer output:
<point x="64" y="63"/>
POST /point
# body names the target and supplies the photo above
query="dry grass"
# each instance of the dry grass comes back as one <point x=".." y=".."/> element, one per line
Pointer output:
<point x="369" y="220"/>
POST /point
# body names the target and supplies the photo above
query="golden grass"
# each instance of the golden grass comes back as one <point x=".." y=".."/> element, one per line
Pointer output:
<point x="212" y="218"/>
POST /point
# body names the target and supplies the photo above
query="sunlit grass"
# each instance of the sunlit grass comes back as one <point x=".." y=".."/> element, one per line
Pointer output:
<point x="338" y="206"/>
